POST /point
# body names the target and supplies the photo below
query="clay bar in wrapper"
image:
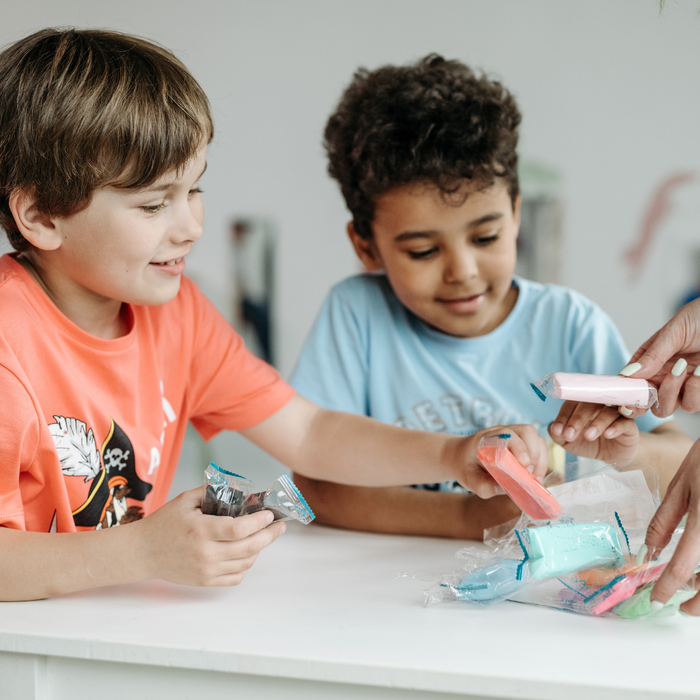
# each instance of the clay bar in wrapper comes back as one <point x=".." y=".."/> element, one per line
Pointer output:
<point x="597" y="388"/>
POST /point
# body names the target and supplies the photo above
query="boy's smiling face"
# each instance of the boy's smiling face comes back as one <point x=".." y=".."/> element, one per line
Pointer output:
<point x="449" y="259"/>
<point x="125" y="246"/>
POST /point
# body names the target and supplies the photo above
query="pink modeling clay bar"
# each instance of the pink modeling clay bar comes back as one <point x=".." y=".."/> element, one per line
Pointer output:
<point x="597" y="388"/>
<point x="527" y="493"/>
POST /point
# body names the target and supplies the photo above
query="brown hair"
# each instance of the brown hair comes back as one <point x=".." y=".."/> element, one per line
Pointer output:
<point x="80" y="109"/>
<point x="434" y="121"/>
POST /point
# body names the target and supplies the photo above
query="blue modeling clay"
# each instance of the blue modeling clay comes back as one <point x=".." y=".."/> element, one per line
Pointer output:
<point x="494" y="582"/>
<point x="554" y="550"/>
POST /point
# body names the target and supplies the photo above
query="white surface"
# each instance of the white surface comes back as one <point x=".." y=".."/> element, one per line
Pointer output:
<point x="327" y="606"/>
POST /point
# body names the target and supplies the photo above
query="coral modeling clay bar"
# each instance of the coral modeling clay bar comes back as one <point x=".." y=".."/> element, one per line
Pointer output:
<point x="595" y="388"/>
<point x="555" y="550"/>
<point x="527" y="493"/>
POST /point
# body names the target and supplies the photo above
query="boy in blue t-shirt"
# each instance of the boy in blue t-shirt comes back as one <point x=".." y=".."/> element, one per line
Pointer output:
<point x="444" y="337"/>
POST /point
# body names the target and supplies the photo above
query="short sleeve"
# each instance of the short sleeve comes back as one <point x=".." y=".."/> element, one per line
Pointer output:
<point x="332" y="369"/>
<point x="229" y="388"/>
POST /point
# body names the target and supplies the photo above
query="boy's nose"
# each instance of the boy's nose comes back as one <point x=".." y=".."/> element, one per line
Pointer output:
<point x="190" y="225"/>
<point x="460" y="266"/>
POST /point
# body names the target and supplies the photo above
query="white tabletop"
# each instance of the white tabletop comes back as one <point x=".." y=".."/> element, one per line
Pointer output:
<point x="327" y="605"/>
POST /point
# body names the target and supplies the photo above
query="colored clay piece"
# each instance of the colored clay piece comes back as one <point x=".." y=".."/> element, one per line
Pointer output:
<point x="639" y="604"/>
<point x="496" y="581"/>
<point x="527" y="493"/>
<point x="555" y="550"/>
<point x="601" y="577"/>
<point x="611" y="595"/>
<point x="595" y="388"/>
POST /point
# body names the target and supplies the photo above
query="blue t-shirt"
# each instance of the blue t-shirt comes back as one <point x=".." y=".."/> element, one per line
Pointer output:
<point x="368" y="354"/>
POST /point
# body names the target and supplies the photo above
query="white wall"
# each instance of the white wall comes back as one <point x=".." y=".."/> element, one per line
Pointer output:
<point x="610" y="93"/>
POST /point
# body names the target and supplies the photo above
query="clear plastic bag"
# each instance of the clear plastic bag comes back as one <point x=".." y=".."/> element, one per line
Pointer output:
<point x="231" y="494"/>
<point x="527" y="493"/>
<point x="597" y="388"/>
<point x="585" y="561"/>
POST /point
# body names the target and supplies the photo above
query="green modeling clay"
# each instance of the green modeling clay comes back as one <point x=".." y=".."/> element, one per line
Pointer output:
<point x="639" y="604"/>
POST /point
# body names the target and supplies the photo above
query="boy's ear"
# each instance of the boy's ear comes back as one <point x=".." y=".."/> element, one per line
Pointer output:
<point x="38" y="228"/>
<point x="365" y="250"/>
<point x="516" y="213"/>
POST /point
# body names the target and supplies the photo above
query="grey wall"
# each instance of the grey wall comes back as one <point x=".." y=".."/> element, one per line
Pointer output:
<point x="610" y="93"/>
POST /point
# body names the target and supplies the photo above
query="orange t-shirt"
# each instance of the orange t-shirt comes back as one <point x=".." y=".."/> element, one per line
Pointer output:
<point x="91" y="429"/>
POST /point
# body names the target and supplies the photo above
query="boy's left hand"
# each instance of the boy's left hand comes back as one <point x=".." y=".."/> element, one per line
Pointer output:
<point x="597" y="431"/>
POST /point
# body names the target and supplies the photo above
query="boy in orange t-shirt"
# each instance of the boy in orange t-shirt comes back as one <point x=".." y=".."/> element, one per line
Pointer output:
<point x="106" y="350"/>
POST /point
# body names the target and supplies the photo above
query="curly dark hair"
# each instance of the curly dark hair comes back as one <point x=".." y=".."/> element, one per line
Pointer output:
<point x="434" y="121"/>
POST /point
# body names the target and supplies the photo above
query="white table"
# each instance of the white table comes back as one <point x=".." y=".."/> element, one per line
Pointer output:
<point x="323" y="614"/>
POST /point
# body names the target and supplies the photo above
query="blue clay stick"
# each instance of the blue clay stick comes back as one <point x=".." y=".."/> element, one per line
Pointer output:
<point x="493" y="582"/>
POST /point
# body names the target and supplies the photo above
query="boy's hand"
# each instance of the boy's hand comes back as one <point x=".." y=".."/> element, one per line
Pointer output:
<point x="593" y="430"/>
<point x="182" y="545"/>
<point x="526" y="445"/>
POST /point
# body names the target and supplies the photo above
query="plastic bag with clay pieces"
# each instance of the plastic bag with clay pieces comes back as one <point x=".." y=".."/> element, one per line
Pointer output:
<point x="234" y="495"/>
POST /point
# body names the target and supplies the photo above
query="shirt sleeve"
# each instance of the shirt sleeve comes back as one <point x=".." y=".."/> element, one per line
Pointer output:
<point x="229" y="387"/>
<point x="332" y="369"/>
<point x="598" y="348"/>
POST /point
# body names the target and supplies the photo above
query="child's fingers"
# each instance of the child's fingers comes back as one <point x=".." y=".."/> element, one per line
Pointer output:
<point x="233" y="529"/>
<point x="579" y="419"/>
<point x="608" y="423"/>
<point x="556" y="428"/>
<point x="250" y="546"/>
<point x="528" y="448"/>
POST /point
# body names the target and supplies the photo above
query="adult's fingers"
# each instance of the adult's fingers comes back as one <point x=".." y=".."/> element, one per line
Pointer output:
<point x="670" y="389"/>
<point x="690" y="399"/>
<point x="682" y="565"/>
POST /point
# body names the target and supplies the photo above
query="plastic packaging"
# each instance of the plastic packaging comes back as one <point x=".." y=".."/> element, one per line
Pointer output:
<point x="225" y="491"/>
<point x="231" y="494"/>
<point x="590" y="560"/>
<point x="554" y="550"/>
<point x="595" y="388"/>
<point x="527" y="493"/>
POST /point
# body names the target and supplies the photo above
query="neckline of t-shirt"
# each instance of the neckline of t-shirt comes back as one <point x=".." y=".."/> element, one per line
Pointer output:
<point x="38" y="298"/>
<point x="479" y="342"/>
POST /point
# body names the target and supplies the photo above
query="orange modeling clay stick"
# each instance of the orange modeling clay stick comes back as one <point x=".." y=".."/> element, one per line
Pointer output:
<point x="527" y="493"/>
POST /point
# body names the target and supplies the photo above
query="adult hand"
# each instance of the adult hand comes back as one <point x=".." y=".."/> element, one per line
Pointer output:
<point x="593" y="430"/>
<point x="670" y="360"/>
<point x="683" y="496"/>
<point x="181" y="544"/>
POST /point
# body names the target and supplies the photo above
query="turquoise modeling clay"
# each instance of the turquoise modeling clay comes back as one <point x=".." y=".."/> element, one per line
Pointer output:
<point x="555" y="550"/>
<point x="494" y="582"/>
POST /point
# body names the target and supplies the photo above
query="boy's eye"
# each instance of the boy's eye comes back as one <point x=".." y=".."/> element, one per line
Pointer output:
<point x="153" y="208"/>
<point x="420" y="254"/>
<point x="194" y="191"/>
<point x="485" y="240"/>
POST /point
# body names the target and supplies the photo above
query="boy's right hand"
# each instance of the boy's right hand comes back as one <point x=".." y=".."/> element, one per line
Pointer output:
<point x="526" y="445"/>
<point x="182" y="545"/>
